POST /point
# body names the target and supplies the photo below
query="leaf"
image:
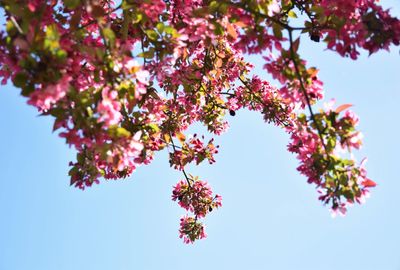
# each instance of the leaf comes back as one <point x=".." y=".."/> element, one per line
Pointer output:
<point x="231" y="31"/>
<point x="181" y="137"/>
<point x="152" y="34"/>
<point x="277" y="30"/>
<point x="72" y="4"/>
<point x="368" y="183"/>
<point x="218" y="63"/>
<point x="296" y="44"/>
<point x="160" y="27"/>
<point x="240" y="24"/>
<point x="219" y="30"/>
<point x="154" y="127"/>
<point x="27" y="90"/>
<point x="167" y="138"/>
<point x="10" y="28"/>
<point x="61" y="54"/>
<point x="214" y="5"/>
<point x="137" y="17"/>
<point x="74" y="170"/>
<point x="51" y="41"/>
<point x="343" y="107"/>
<point x="118" y="132"/>
<point x="109" y="35"/>
<point x="20" y="79"/>
<point x="122" y="132"/>
<point x="169" y="30"/>
<point x="148" y="54"/>
<point x="292" y="14"/>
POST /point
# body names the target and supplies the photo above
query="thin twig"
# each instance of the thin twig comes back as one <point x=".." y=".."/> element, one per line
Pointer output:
<point x="303" y="89"/>
<point x="14" y="21"/>
<point x="180" y="164"/>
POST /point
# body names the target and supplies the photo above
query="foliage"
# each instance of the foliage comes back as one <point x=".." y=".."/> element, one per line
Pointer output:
<point x="125" y="80"/>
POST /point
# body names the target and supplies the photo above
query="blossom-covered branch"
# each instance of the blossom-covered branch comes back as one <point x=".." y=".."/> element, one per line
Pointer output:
<point x="124" y="81"/>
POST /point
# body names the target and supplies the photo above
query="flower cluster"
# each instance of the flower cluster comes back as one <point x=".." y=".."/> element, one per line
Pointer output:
<point x="366" y="26"/>
<point x="194" y="196"/>
<point x="191" y="230"/>
<point x="318" y="146"/>
<point x="44" y="99"/>
<point x="193" y="150"/>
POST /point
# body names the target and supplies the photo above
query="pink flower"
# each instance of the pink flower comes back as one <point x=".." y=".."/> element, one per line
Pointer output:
<point x="338" y="210"/>
<point x="354" y="119"/>
<point x="43" y="99"/>
<point x="191" y="230"/>
<point x="109" y="108"/>
<point x="196" y="198"/>
<point x="273" y="8"/>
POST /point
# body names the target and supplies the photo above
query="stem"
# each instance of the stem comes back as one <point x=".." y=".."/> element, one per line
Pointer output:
<point x="183" y="169"/>
<point x="303" y="89"/>
<point x="14" y="21"/>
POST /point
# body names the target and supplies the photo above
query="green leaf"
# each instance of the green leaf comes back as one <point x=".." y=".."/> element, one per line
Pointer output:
<point x="219" y="29"/>
<point x="52" y="38"/>
<point x="89" y="111"/>
<point x="147" y="54"/>
<point x="119" y="132"/>
<point x="72" y="4"/>
<point x="122" y="132"/>
<point x="57" y="112"/>
<point x="10" y="28"/>
<point x="27" y="90"/>
<point x="137" y="17"/>
<point x="214" y="5"/>
<point x="160" y="27"/>
<point x="61" y="54"/>
<point x="80" y="158"/>
<point x="331" y="143"/>
<point x="74" y="170"/>
<point x="20" y="79"/>
<point x="171" y="31"/>
<point x="292" y="14"/>
<point x="152" y="34"/>
<point x="109" y="35"/>
<point x="154" y="127"/>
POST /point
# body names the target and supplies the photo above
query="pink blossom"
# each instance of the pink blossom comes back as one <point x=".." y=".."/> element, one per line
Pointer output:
<point x="338" y="210"/>
<point x="43" y="99"/>
<point x="196" y="197"/>
<point x="191" y="230"/>
<point x="273" y="8"/>
<point x="109" y="108"/>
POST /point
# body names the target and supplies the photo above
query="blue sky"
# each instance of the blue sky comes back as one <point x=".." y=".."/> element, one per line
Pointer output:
<point x="270" y="219"/>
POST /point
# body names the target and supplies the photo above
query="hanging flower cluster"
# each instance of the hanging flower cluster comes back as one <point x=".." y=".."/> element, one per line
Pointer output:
<point x="194" y="196"/>
<point x="126" y="79"/>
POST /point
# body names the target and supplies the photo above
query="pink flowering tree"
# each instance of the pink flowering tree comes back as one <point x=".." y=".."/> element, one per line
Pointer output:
<point x="123" y="80"/>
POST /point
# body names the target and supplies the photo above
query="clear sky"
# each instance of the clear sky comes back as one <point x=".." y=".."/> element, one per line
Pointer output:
<point x="270" y="219"/>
